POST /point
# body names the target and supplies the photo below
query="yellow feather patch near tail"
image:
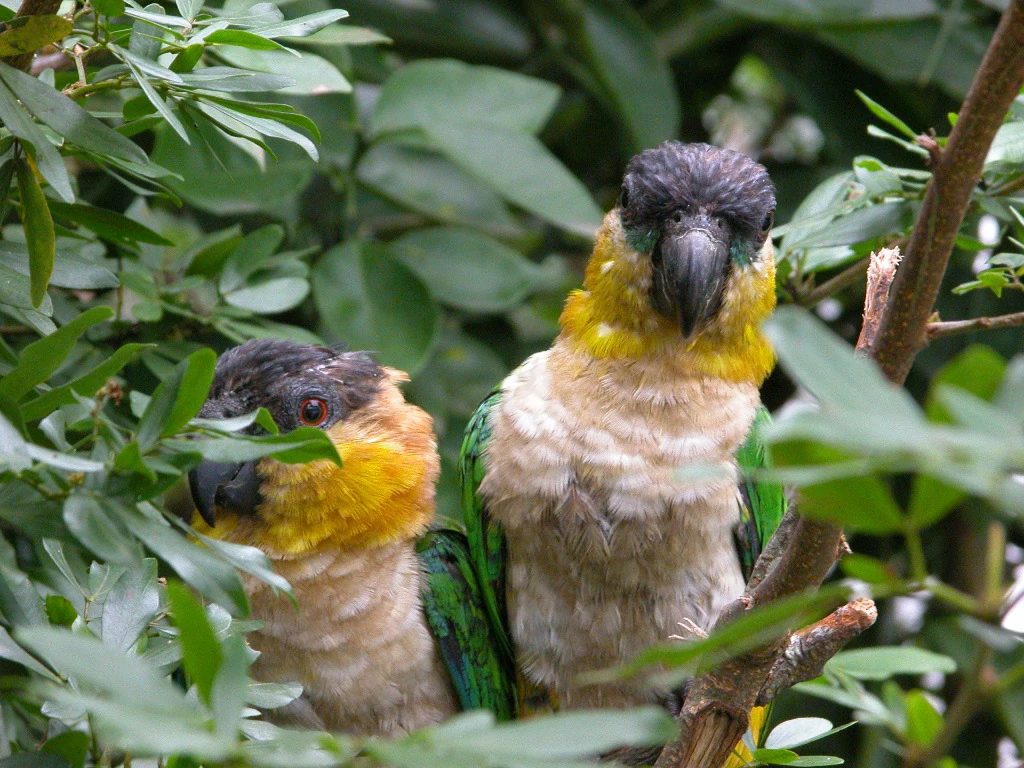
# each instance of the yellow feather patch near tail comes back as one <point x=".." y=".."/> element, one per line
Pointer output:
<point x="741" y="755"/>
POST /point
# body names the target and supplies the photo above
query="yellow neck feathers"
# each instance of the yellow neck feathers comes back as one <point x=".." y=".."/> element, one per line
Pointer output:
<point x="612" y="317"/>
<point x="383" y="492"/>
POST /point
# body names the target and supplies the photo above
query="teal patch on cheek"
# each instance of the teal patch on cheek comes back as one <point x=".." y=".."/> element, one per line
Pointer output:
<point x="741" y="252"/>
<point x="641" y="240"/>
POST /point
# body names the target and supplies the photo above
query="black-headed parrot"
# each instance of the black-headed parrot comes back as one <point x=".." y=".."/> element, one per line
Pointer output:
<point x="602" y="485"/>
<point x="391" y="631"/>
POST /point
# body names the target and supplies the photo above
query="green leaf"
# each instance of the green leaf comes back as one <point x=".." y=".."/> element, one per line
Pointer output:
<point x="178" y="398"/>
<point x="372" y="301"/>
<point x="885" y="115"/>
<point x="189" y="9"/>
<point x="105" y="671"/>
<point x="270" y="297"/>
<point x="187" y="59"/>
<point x="85" y="386"/>
<point x="859" y="225"/>
<point x="27" y="34"/>
<point x="95" y="522"/>
<point x="342" y="34"/>
<point x="69" y="120"/>
<point x="312" y="74"/>
<point x="521" y="169"/>
<point x="775" y="756"/>
<point x="618" y="48"/>
<point x="109" y="7"/>
<point x="41" y="358"/>
<point x="203" y="655"/>
<point x="466" y="269"/>
<point x="427" y="93"/>
<point x="230" y="687"/>
<point x="303" y="26"/>
<point x="294" y="447"/>
<point x="20" y="124"/>
<point x="859" y="503"/>
<point x="243" y="39"/>
<point x="141" y="71"/>
<point x="70" y="745"/>
<point x="60" y="611"/>
<point x="39" y="235"/>
<point x="252" y="561"/>
<point x="108" y="224"/>
<point x="1008" y="145"/>
<point x="130" y="605"/>
<point x="19" y="600"/>
<point x="434" y="186"/>
<point x="924" y="723"/>
<point x="883" y="663"/>
<point x="209" y="574"/>
<point x="869" y="569"/>
<point x="828" y="367"/>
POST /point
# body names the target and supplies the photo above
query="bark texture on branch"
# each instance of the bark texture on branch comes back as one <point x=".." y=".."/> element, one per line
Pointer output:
<point x="716" y="712"/>
<point x="955" y="174"/>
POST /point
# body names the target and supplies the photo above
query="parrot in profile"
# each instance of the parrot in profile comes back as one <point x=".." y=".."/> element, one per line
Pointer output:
<point x="391" y="631"/>
<point x="590" y="538"/>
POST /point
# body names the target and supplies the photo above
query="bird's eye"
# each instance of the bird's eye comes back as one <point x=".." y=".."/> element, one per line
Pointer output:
<point x="313" y="412"/>
<point x="769" y="220"/>
<point x="623" y="198"/>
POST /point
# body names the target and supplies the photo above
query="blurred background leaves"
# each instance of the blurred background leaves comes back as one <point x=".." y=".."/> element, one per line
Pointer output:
<point x="422" y="180"/>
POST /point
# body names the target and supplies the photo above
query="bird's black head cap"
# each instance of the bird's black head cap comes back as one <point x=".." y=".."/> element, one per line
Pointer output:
<point x="281" y="375"/>
<point x="675" y="177"/>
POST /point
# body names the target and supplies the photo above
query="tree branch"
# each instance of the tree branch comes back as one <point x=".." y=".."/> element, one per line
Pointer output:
<point x="940" y="330"/>
<point x="956" y="173"/>
<point x="31" y="8"/>
<point x="717" y="710"/>
<point x="844" y="279"/>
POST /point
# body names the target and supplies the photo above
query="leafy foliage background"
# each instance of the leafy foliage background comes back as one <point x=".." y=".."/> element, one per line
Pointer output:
<point x="422" y="180"/>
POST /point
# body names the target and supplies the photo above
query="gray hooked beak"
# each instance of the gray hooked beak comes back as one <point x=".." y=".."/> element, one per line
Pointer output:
<point x="231" y="487"/>
<point x="691" y="270"/>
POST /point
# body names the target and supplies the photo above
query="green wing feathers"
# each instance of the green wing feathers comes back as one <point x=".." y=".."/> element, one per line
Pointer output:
<point x="486" y="539"/>
<point x="457" y="615"/>
<point x="764" y="503"/>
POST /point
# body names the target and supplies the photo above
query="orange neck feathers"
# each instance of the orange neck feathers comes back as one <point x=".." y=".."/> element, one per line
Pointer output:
<point x="382" y="493"/>
<point x="612" y="317"/>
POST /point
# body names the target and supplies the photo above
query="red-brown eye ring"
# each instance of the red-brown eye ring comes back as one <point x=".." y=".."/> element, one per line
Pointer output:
<point x="313" y="412"/>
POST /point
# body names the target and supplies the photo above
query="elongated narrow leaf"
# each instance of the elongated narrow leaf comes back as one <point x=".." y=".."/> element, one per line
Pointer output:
<point x="202" y="652"/>
<point x="302" y="26"/>
<point x="68" y="119"/>
<point x="108" y="224"/>
<point x="41" y="358"/>
<point x="39" y="235"/>
<point x="243" y="39"/>
<point x="48" y="160"/>
<point x="884" y="114"/>
<point x="86" y="385"/>
<point x="178" y="398"/>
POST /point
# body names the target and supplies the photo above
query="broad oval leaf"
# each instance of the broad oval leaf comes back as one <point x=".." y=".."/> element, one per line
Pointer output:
<point x="370" y="300"/>
<point x="466" y="269"/>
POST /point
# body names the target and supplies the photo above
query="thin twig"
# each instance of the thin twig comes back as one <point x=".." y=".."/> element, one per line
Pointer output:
<point x="833" y="285"/>
<point x="940" y="330"/>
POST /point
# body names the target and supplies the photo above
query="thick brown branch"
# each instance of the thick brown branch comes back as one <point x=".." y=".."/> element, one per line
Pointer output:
<point x="940" y="330"/>
<point x="811" y="647"/>
<point x="716" y="712"/>
<point x="956" y="173"/>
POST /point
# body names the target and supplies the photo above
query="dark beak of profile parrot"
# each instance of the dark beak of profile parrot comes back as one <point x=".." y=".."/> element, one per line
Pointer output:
<point x="230" y="487"/>
<point x="691" y="268"/>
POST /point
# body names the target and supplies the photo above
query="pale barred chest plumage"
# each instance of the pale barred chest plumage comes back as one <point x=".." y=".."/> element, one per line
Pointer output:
<point x="597" y="460"/>
<point x="362" y="649"/>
